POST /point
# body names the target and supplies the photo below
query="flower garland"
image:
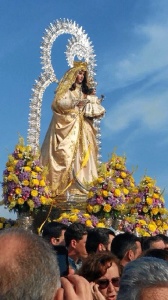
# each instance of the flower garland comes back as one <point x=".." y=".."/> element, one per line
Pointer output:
<point x="75" y="215"/>
<point x="111" y="192"/>
<point x="24" y="183"/>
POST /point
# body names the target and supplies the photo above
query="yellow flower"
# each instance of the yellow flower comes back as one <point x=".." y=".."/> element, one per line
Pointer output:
<point x="105" y="193"/>
<point x="137" y="200"/>
<point x="125" y="191"/>
<point x="119" y="180"/>
<point x="117" y="193"/>
<point x="158" y="222"/>
<point x="13" y="177"/>
<point x="101" y="225"/>
<point x="149" y="200"/>
<point x="42" y="199"/>
<point x="20" y="201"/>
<point x="34" y="182"/>
<point x="88" y="223"/>
<point x="165" y="226"/>
<point x="73" y="218"/>
<point x="123" y="174"/>
<point x="12" y="204"/>
<point x="142" y="222"/>
<point x="34" y="193"/>
<point x="152" y="227"/>
<point x="155" y="195"/>
<point x="89" y="208"/>
<point x="37" y="169"/>
<point x="132" y="184"/>
<point x="162" y="210"/>
<point x="145" y="233"/>
<point x="25" y="182"/>
<point x="155" y="210"/>
<point x="75" y="211"/>
<point x="135" y="190"/>
<point x="34" y="174"/>
<point x="42" y="183"/>
<point x="96" y="208"/>
<point x="100" y="179"/>
<point x="107" y="208"/>
<point x="1" y="225"/>
<point x="10" y="169"/>
<point x="27" y="169"/>
<point x="90" y="194"/>
<point x="145" y="209"/>
<point x="162" y="199"/>
<point x="31" y="204"/>
<point x="20" y="155"/>
<point x="49" y="201"/>
<point x="118" y="166"/>
<point x="85" y="215"/>
<point x="149" y="184"/>
<point x="46" y="189"/>
<point x="64" y="215"/>
<point x="59" y="219"/>
<point x="18" y="191"/>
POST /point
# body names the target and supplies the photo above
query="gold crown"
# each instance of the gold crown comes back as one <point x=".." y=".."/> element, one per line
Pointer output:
<point x="80" y="64"/>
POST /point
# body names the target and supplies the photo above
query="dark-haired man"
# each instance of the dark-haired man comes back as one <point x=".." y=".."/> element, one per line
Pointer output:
<point x="75" y="241"/>
<point x="126" y="246"/>
<point x="54" y="232"/>
<point x="99" y="239"/>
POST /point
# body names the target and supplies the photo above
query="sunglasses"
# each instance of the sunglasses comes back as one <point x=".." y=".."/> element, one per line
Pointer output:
<point x="104" y="283"/>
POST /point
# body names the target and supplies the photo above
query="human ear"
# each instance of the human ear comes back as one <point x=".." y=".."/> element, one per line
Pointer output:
<point x="73" y="243"/>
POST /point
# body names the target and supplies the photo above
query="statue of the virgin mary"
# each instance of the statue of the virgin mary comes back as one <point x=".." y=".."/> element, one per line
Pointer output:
<point x="70" y="149"/>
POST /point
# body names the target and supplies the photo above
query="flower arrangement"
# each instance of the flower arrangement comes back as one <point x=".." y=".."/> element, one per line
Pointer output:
<point x="149" y="200"/>
<point x="24" y="183"/>
<point x="75" y="215"/>
<point x="111" y="193"/>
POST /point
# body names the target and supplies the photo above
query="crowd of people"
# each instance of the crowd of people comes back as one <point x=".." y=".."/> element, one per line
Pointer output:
<point x="101" y="265"/>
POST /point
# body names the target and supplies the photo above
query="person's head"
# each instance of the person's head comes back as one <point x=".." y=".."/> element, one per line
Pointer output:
<point x="75" y="239"/>
<point x="126" y="246"/>
<point x="102" y="268"/>
<point x="28" y="266"/>
<point x="99" y="239"/>
<point x="165" y="240"/>
<point x="70" y="79"/>
<point x="54" y="232"/>
<point x="158" y="253"/>
<point x="153" y="242"/>
<point x="143" y="279"/>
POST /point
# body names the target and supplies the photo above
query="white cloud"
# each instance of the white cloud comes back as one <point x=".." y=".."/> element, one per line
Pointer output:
<point x="151" y="113"/>
<point x="148" y="55"/>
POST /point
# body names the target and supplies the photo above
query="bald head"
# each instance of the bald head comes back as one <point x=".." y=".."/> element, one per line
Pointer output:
<point x="28" y="265"/>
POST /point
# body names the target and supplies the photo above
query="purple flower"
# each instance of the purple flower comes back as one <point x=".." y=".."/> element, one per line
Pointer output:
<point x="24" y="176"/>
<point x="36" y="201"/>
<point x="20" y="164"/>
<point x="6" y="172"/>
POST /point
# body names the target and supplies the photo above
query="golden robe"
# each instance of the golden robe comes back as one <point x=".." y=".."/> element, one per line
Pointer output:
<point x="70" y="144"/>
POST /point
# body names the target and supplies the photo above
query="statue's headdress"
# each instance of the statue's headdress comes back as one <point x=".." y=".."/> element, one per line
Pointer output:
<point x="69" y="78"/>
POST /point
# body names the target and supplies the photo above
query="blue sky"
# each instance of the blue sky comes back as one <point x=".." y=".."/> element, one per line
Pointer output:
<point x="130" y="40"/>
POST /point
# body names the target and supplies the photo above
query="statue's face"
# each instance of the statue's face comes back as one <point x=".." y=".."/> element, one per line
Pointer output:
<point x="80" y="77"/>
